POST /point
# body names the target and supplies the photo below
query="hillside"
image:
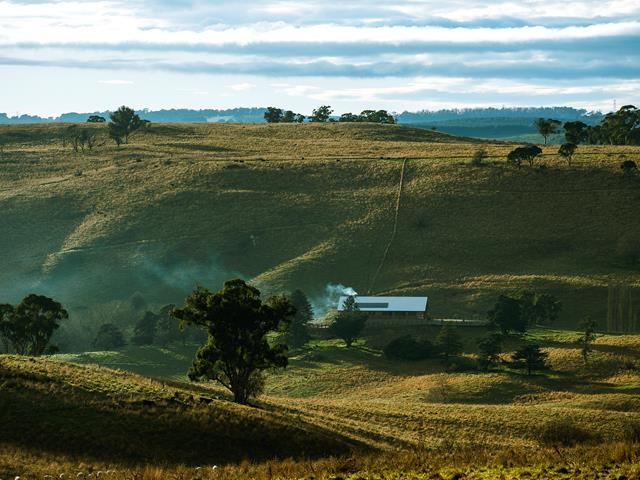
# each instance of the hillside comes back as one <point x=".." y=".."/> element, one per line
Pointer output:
<point x="110" y="417"/>
<point x="307" y="205"/>
<point x="397" y="417"/>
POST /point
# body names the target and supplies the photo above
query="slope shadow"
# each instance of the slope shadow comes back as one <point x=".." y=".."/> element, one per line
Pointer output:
<point x="76" y="423"/>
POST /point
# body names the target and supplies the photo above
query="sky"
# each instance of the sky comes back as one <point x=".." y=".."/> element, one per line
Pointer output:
<point x="409" y="55"/>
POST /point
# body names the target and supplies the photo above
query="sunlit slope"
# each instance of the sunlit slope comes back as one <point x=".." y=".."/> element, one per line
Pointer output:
<point x="304" y="205"/>
<point x="104" y="415"/>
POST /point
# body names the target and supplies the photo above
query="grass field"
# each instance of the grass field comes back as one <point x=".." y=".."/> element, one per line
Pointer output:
<point x="347" y="403"/>
<point x="306" y="205"/>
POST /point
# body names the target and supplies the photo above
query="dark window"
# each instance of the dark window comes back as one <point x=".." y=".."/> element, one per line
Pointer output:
<point x="372" y="305"/>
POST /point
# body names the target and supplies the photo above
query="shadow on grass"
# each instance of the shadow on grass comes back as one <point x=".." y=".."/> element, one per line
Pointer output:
<point x="73" y="422"/>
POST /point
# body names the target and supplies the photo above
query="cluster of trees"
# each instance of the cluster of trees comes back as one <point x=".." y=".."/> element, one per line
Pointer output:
<point x="370" y="116"/>
<point x="277" y="115"/>
<point x="323" y="114"/>
<point x="79" y="138"/>
<point x="616" y="128"/>
<point x="27" y="328"/>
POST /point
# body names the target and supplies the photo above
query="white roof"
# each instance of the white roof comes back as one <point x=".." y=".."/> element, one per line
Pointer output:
<point x="387" y="304"/>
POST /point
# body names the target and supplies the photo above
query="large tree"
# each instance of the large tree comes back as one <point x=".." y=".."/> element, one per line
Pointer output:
<point x="321" y="114"/>
<point x="349" y="322"/>
<point x="547" y="126"/>
<point x="273" y="115"/>
<point x="29" y="326"/>
<point x="538" y="308"/>
<point x="507" y="315"/>
<point x="576" y="132"/>
<point x="298" y="331"/>
<point x="109" y="337"/>
<point x="123" y="122"/>
<point x="238" y="323"/>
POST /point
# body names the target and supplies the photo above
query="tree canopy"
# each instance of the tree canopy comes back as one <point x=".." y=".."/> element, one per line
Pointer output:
<point x="567" y="150"/>
<point x="28" y="327"/>
<point x="547" y="126"/>
<point x="526" y="153"/>
<point x="298" y="330"/>
<point x="321" y="114"/>
<point x="123" y="122"/>
<point x="237" y="349"/>
<point x="371" y="116"/>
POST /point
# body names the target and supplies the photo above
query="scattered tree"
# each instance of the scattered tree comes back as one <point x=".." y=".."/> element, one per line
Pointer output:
<point x="566" y="151"/>
<point x="348" y="323"/>
<point x="237" y="349"/>
<point x="96" y="119"/>
<point x="507" y="315"/>
<point x="298" y="331"/>
<point x="27" y="328"/>
<point x="588" y="326"/>
<point x="527" y="153"/>
<point x="321" y="114"/>
<point x="529" y="356"/>
<point x="489" y="349"/>
<point x="547" y="127"/>
<point x="109" y="337"/>
<point x="124" y="122"/>
<point x="449" y="342"/>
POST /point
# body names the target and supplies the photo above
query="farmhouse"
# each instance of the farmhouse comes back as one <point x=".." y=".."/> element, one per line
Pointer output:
<point x="403" y="310"/>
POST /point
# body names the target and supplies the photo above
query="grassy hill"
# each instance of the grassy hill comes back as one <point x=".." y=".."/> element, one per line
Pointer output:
<point x="306" y="205"/>
<point x="377" y="417"/>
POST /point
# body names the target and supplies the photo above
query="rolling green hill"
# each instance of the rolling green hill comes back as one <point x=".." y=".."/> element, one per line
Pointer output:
<point x="306" y="205"/>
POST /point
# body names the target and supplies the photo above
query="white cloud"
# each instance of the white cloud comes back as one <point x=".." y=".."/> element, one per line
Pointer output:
<point x="243" y="87"/>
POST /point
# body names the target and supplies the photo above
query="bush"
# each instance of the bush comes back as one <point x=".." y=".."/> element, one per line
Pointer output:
<point x="564" y="433"/>
<point x="629" y="167"/>
<point x="478" y="157"/>
<point x="409" y="348"/>
<point x="631" y="432"/>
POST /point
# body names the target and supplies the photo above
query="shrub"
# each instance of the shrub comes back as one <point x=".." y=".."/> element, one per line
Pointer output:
<point x="629" y="167"/>
<point x="631" y="432"/>
<point x="564" y="433"/>
<point x="478" y="157"/>
<point x="409" y="348"/>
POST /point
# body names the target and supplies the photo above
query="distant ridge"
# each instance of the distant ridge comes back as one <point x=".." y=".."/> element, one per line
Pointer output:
<point x="256" y="115"/>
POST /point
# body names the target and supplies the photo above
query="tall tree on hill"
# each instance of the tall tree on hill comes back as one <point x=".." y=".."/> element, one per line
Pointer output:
<point x="238" y="323"/>
<point x="349" y="322"/>
<point x="449" y="342"/>
<point x="123" y="122"/>
<point x="321" y="114"/>
<point x="298" y="331"/>
<point x="547" y="127"/>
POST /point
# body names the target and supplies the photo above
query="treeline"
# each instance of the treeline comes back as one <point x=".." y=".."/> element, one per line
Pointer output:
<point x="323" y="114"/>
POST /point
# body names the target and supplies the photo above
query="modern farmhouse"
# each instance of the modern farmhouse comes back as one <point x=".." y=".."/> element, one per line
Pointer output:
<point x="404" y="310"/>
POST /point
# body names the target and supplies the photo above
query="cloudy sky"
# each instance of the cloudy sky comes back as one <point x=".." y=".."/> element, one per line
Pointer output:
<point x="87" y="55"/>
